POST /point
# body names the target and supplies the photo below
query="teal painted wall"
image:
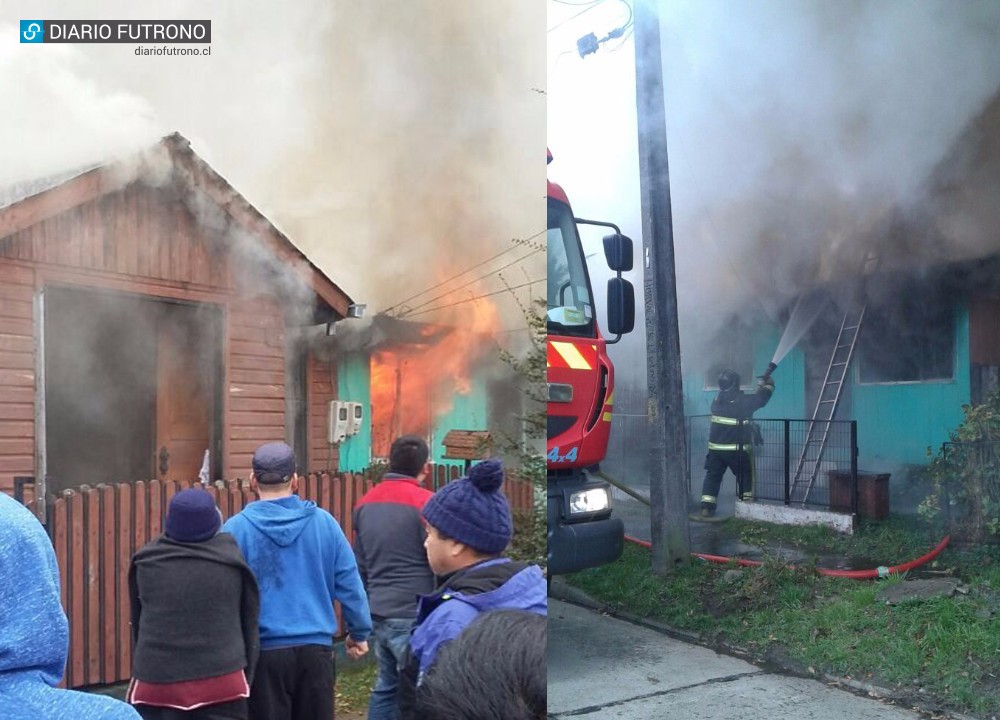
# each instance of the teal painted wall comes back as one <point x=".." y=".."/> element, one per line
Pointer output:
<point x="788" y="400"/>
<point x="897" y="422"/>
<point x="353" y="383"/>
<point x="469" y="412"/>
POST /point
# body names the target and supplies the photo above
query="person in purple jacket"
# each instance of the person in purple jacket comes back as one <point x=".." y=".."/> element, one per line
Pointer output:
<point x="468" y="527"/>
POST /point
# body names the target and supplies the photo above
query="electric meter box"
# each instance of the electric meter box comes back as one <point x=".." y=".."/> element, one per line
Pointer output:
<point x="338" y="421"/>
<point x="356" y="415"/>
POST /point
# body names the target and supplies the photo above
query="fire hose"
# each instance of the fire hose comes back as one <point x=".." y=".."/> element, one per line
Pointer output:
<point x="879" y="572"/>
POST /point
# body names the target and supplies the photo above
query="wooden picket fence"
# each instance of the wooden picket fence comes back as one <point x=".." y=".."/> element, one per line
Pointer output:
<point x="96" y="530"/>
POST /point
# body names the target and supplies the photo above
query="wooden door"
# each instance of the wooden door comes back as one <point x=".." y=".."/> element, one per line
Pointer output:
<point x="183" y="399"/>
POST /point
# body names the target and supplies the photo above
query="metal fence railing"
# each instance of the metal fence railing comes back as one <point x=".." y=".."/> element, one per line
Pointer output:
<point x="787" y="463"/>
<point x="971" y="501"/>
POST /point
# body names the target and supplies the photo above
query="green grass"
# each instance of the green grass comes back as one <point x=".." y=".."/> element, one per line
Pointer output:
<point x="950" y="647"/>
<point x="354" y="685"/>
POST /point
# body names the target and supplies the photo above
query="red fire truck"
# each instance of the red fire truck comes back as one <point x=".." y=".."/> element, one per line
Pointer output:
<point x="582" y="532"/>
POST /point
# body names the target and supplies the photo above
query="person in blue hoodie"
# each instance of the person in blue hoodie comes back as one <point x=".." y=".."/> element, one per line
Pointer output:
<point x="468" y="527"/>
<point x="302" y="562"/>
<point x="34" y="632"/>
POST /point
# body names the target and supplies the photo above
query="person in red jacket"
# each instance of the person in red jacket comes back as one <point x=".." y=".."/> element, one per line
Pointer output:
<point x="389" y="546"/>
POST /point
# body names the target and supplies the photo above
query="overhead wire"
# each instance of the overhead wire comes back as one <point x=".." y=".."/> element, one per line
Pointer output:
<point x="518" y="243"/>
<point x="624" y="31"/>
<point x="470" y="282"/>
<point x="589" y="6"/>
<point x="480" y="297"/>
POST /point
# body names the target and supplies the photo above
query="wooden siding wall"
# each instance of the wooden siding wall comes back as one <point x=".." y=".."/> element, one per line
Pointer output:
<point x="95" y="532"/>
<point x="321" y="383"/>
<point x="138" y="232"/>
<point x="140" y="240"/>
<point x="984" y="331"/>
<point x="17" y="374"/>
<point x="256" y="390"/>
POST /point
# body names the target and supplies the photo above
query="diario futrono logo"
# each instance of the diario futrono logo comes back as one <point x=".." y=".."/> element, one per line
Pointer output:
<point x="32" y="31"/>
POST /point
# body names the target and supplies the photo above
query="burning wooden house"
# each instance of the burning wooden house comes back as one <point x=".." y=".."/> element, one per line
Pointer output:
<point x="147" y="323"/>
<point x="422" y="378"/>
<point x="154" y="326"/>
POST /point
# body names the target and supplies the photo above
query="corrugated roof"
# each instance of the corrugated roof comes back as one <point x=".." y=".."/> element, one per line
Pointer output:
<point x="17" y="192"/>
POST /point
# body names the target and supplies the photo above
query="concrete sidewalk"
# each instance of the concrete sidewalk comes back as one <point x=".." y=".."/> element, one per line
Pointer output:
<point x="603" y="667"/>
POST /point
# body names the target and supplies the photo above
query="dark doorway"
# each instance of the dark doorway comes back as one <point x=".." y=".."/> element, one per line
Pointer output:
<point x="127" y="376"/>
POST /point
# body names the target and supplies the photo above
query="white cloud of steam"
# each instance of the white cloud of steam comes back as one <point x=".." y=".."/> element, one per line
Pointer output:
<point x="395" y="143"/>
<point x="797" y="131"/>
<point x="57" y="116"/>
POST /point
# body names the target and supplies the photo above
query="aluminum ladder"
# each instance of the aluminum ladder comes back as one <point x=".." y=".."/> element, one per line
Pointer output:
<point x="807" y="468"/>
<point x="818" y="432"/>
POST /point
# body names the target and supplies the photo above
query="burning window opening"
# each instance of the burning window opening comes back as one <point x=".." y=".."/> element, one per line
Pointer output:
<point x="413" y="385"/>
<point x="417" y="370"/>
<point x="909" y="337"/>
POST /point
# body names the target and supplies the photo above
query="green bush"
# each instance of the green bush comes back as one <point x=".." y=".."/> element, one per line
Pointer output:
<point x="965" y="475"/>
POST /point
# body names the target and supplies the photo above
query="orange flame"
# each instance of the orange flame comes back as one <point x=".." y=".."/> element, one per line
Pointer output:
<point x="414" y="385"/>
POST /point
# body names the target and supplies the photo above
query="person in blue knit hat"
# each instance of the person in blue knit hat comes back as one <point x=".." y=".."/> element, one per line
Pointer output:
<point x="468" y="527"/>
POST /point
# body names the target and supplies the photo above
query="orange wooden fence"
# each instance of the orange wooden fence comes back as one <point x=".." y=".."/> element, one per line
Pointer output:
<point x="96" y="530"/>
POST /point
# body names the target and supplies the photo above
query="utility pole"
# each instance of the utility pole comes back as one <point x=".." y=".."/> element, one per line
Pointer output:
<point x="667" y="461"/>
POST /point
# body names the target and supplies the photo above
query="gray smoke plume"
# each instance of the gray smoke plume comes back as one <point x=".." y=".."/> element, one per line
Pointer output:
<point x="801" y="135"/>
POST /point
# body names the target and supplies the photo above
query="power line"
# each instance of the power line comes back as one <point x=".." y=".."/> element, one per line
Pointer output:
<point x="518" y="242"/>
<point x="589" y="6"/>
<point x="471" y="282"/>
<point x="480" y="297"/>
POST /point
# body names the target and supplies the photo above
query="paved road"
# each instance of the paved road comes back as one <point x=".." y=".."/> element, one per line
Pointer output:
<point x="600" y="667"/>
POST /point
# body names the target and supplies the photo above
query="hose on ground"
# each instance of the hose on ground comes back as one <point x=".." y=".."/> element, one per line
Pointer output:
<point x="870" y="574"/>
<point x="879" y="572"/>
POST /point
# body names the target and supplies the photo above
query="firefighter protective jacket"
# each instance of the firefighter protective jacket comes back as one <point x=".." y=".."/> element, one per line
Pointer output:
<point x="731" y="413"/>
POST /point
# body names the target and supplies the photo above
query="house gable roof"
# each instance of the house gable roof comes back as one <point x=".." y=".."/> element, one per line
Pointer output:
<point x="26" y="204"/>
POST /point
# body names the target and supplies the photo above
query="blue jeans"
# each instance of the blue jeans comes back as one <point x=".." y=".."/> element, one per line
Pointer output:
<point x="391" y="637"/>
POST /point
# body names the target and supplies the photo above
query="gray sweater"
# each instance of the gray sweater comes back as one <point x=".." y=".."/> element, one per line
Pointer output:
<point x="195" y="608"/>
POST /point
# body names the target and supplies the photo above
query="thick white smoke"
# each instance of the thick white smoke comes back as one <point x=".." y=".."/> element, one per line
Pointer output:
<point x="394" y="142"/>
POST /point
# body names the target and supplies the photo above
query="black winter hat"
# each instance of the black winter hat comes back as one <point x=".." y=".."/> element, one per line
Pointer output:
<point x="473" y="510"/>
<point x="192" y="516"/>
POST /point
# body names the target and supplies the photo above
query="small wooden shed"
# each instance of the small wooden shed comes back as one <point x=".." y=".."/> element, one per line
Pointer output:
<point x="148" y="314"/>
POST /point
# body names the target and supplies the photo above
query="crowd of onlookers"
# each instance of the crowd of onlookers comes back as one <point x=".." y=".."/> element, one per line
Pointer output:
<point x="236" y="621"/>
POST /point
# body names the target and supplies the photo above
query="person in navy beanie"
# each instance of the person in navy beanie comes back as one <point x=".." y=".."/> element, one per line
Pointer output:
<point x="468" y="527"/>
<point x="195" y="607"/>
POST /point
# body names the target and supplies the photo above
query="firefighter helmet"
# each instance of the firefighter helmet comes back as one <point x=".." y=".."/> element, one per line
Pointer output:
<point x="729" y="380"/>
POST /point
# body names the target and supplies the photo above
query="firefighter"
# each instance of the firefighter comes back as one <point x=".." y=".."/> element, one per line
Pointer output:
<point x="730" y="438"/>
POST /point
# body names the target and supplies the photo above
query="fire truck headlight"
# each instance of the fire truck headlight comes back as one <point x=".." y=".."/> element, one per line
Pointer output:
<point x="588" y="501"/>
